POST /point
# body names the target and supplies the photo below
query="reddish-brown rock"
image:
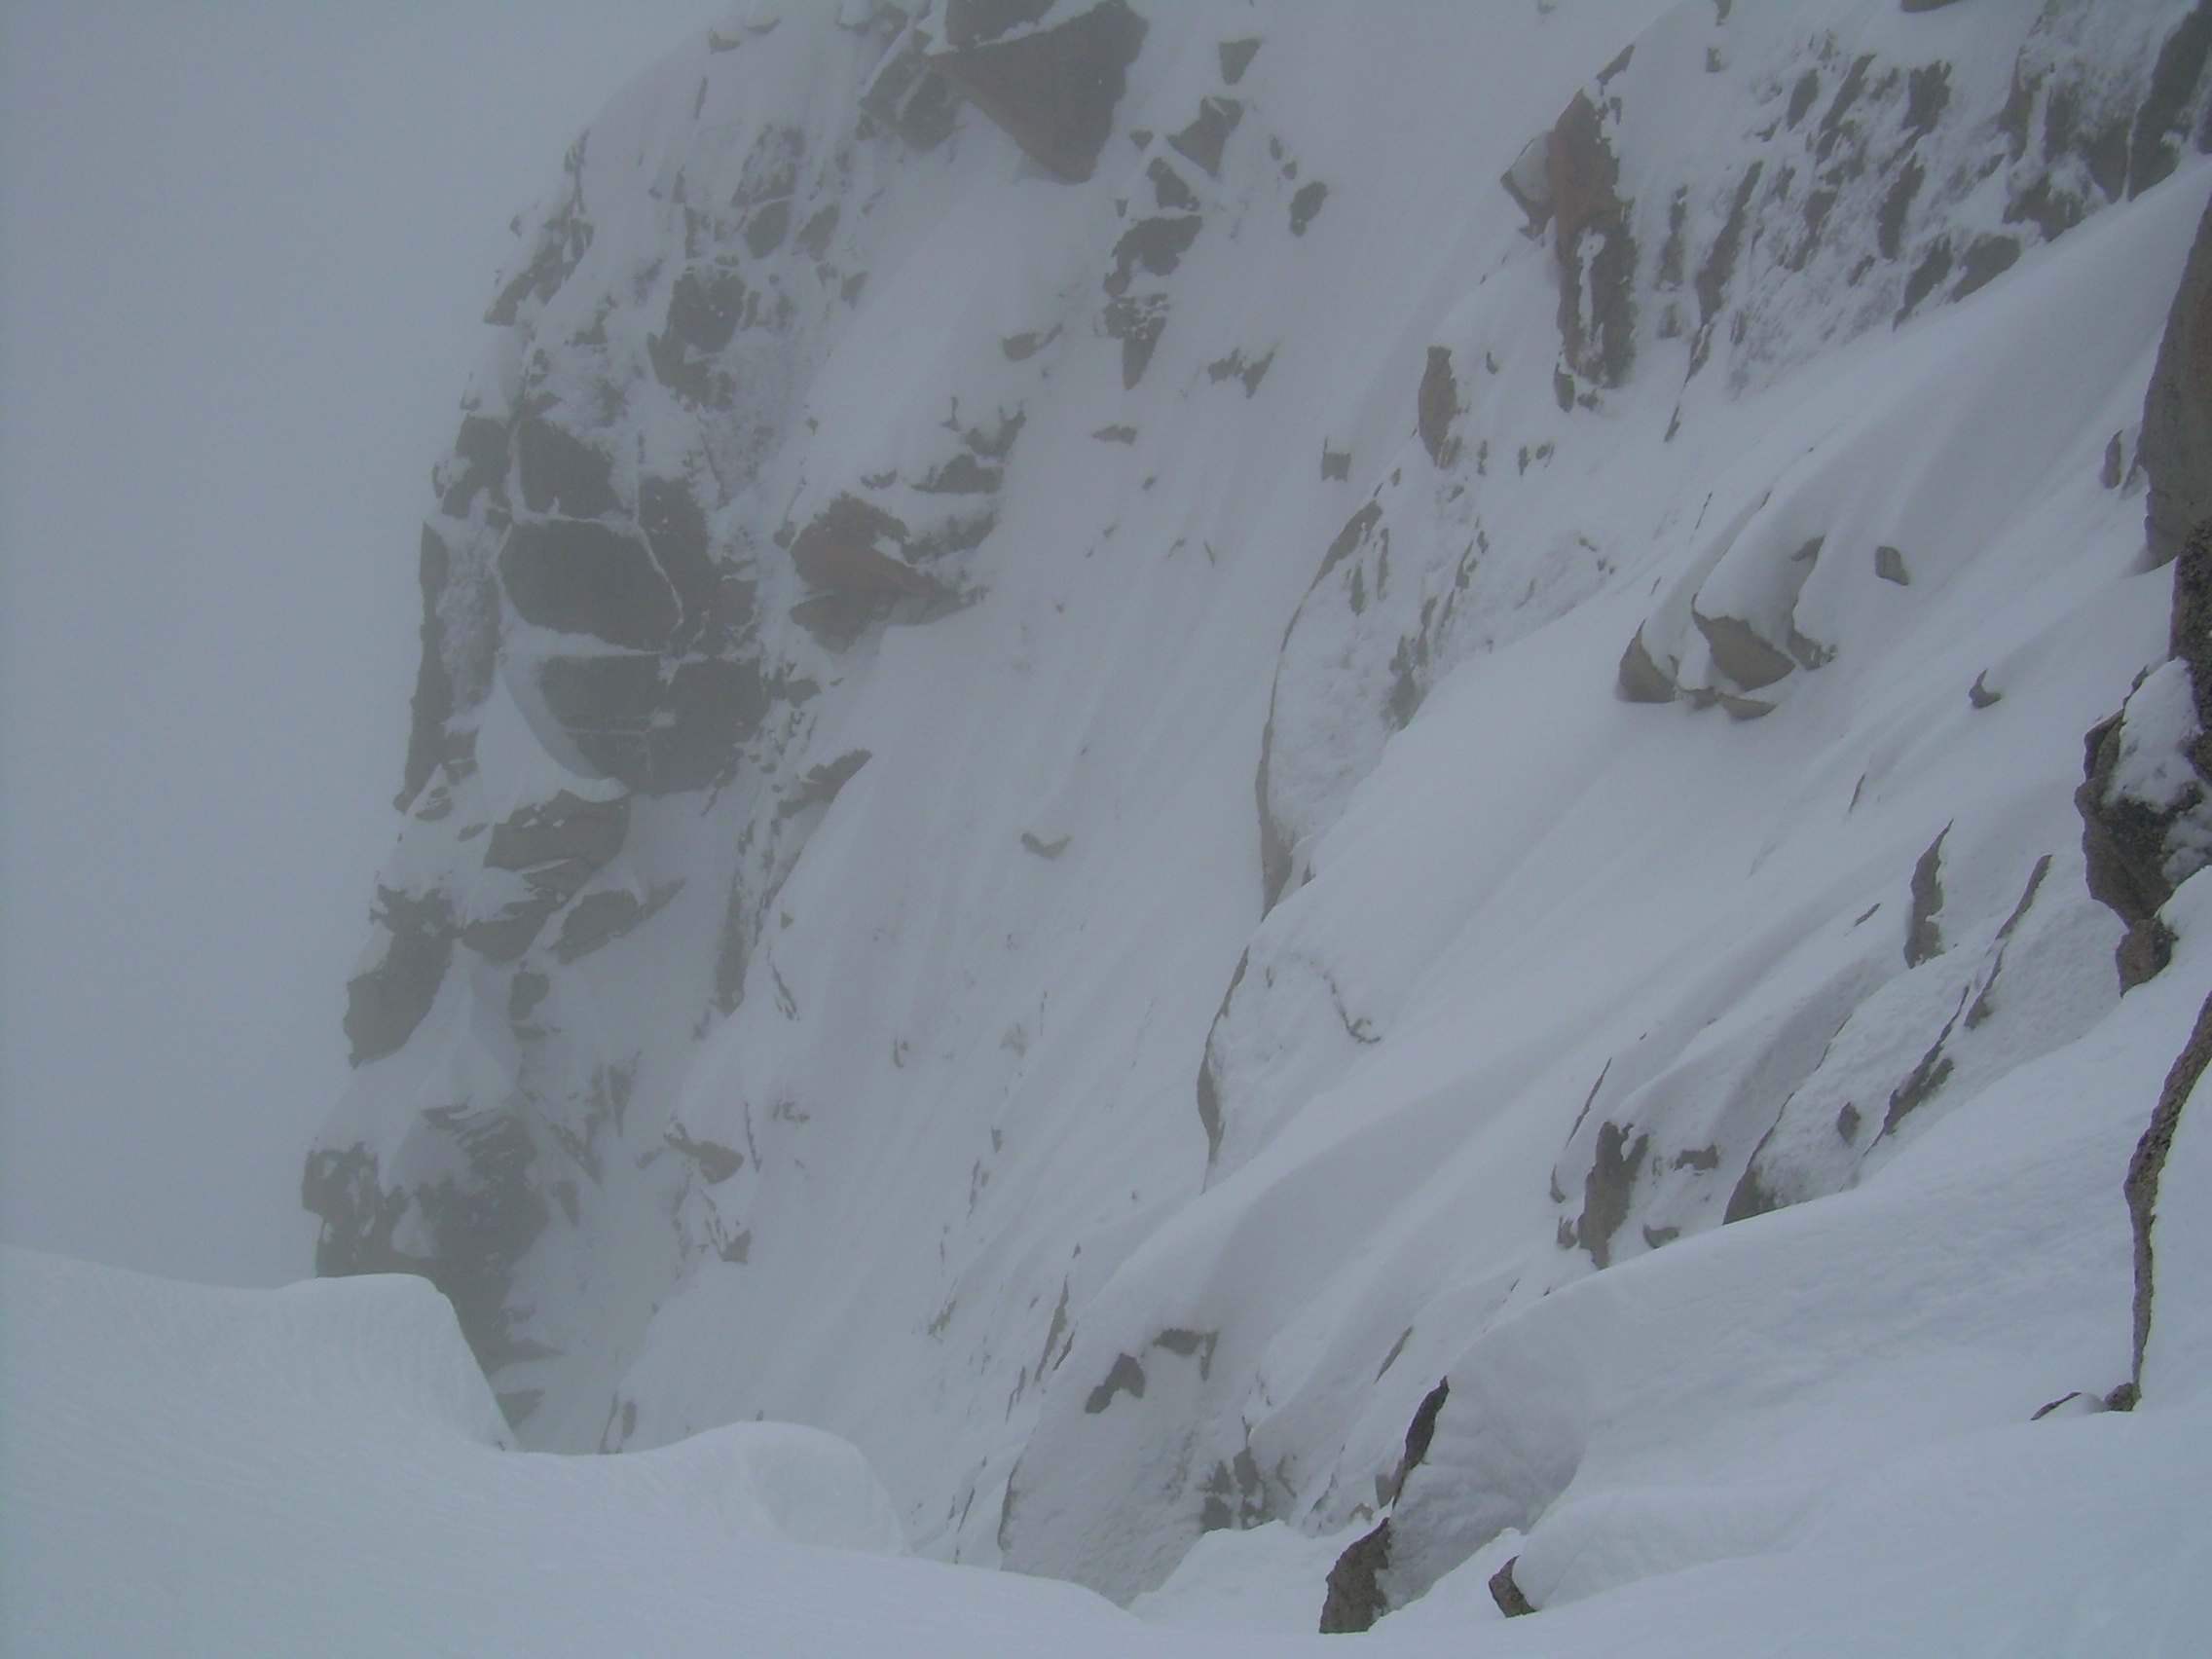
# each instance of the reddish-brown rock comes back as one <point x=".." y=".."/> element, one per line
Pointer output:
<point x="841" y="549"/>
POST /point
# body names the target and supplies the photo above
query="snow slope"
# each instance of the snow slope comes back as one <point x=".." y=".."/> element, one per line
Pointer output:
<point x="1098" y="804"/>
<point x="319" y="1470"/>
<point x="314" y="1471"/>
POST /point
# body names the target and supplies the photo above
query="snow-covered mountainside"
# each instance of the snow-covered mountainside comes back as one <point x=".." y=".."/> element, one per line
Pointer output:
<point x="1230" y="763"/>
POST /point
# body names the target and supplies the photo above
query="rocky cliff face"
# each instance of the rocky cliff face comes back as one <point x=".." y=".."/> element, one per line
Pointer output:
<point x="1563" y="555"/>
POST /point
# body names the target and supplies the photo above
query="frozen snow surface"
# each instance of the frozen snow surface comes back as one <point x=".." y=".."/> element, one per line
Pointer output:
<point x="1225" y="771"/>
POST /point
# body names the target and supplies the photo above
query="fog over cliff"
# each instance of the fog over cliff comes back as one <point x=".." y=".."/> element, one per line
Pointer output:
<point x="244" y="246"/>
<point x="1353" y="819"/>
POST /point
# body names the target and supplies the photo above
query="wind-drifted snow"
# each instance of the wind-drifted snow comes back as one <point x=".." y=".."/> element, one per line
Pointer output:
<point x="1100" y="834"/>
<point x="314" y="1471"/>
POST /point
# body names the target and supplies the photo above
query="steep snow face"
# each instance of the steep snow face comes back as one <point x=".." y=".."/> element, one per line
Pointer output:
<point x="935" y="467"/>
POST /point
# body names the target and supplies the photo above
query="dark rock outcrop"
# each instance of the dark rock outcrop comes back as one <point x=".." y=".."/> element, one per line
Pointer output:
<point x="2124" y="846"/>
<point x="567" y="833"/>
<point x="838" y="553"/>
<point x="479" y="1220"/>
<point x="2176" y="450"/>
<point x="1052" y="90"/>
<point x="1739" y="652"/>
<point x="385" y="1005"/>
<point x="562" y="239"/>
<point x="1236" y="56"/>
<point x="2145" y="1167"/>
<point x="1606" y="1191"/>
<point x="1356" y="1596"/>
<point x="1641" y="679"/>
<point x="910" y="97"/>
<point x="1207" y="136"/>
<point x="1437" y="406"/>
<point x="432" y="704"/>
<point x="2143" y="834"/>
<point x="556" y="848"/>
<point x="1508" y="1596"/>
<point x="559" y="474"/>
<point x="656" y="726"/>
<point x="1355" y="1600"/>
<point x="1923" y="932"/>
<point x="2138" y="849"/>
<point x="1421" y="1434"/>
<point x="1155" y="245"/>
<point x="1596" y="247"/>
<point x="582" y="576"/>
<point x="832" y="561"/>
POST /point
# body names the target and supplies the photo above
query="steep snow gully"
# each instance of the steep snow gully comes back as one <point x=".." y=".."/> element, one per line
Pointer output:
<point x="1356" y="813"/>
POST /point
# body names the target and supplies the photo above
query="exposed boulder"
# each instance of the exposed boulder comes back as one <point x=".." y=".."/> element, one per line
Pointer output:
<point x="716" y="1163"/>
<point x="1508" y="1596"/>
<point x="1641" y="679"/>
<point x="830" y="562"/>
<point x="1739" y="652"/>
<point x="1138" y="322"/>
<point x="838" y="550"/>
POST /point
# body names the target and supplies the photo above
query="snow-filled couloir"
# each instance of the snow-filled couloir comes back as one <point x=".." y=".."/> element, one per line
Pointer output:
<point x="1289" y="770"/>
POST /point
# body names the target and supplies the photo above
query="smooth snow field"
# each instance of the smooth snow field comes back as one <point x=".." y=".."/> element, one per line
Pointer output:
<point x="320" y="1471"/>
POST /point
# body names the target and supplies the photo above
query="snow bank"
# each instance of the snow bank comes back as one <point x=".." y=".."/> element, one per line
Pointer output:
<point x="308" y="1472"/>
<point x="320" y="1471"/>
